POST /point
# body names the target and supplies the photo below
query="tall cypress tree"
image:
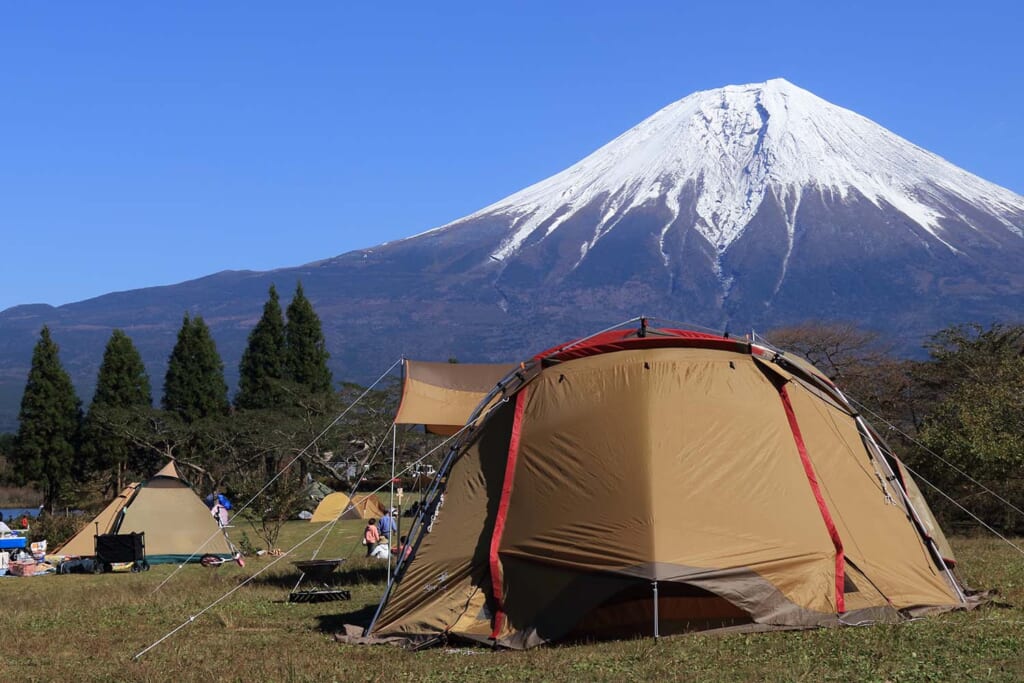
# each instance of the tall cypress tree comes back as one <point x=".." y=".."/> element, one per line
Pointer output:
<point x="194" y="386"/>
<point x="306" y="351"/>
<point x="262" y="368"/>
<point x="122" y="385"/>
<point x="48" y="423"/>
<point x="122" y="380"/>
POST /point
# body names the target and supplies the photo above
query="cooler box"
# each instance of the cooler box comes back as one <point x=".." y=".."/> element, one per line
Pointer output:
<point x="9" y="542"/>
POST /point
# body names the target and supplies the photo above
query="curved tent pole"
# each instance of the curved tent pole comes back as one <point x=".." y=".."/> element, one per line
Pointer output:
<point x="866" y="431"/>
<point x="577" y="342"/>
<point x="976" y="518"/>
<point x="415" y="532"/>
<point x="878" y="418"/>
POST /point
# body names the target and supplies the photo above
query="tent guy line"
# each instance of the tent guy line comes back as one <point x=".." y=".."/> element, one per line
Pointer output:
<point x="961" y="472"/>
<point x="284" y="469"/>
<point x="367" y="462"/>
<point x="287" y="553"/>
<point x="525" y="374"/>
<point x="935" y="455"/>
<point x="364" y="465"/>
<point x="976" y="518"/>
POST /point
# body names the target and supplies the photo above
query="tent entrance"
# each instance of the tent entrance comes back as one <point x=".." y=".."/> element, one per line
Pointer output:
<point x="681" y="608"/>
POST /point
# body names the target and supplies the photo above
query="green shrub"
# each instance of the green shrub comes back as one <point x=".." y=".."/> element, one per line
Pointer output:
<point x="56" y="529"/>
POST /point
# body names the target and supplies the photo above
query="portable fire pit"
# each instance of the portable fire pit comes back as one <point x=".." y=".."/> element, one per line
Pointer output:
<point x="320" y="572"/>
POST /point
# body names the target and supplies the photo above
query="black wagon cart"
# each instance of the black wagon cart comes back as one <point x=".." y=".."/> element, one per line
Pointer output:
<point x="114" y="549"/>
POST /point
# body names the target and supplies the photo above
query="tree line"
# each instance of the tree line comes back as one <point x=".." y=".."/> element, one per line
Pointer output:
<point x="284" y="399"/>
<point x="955" y="418"/>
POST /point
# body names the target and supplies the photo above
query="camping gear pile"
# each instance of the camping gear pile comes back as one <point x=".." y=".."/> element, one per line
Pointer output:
<point x="20" y="562"/>
<point x="18" y="557"/>
<point x="645" y="482"/>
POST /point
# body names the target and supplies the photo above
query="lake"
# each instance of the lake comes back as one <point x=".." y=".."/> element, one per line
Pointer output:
<point x="16" y="513"/>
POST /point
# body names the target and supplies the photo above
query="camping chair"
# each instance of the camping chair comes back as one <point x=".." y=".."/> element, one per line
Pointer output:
<point x="114" y="549"/>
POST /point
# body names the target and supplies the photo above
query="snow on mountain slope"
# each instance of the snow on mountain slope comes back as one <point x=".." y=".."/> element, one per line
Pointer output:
<point x="733" y="146"/>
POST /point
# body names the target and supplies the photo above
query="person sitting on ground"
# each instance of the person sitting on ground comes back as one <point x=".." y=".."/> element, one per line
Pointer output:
<point x="404" y="550"/>
<point x="371" y="536"/>
<point x="381" y="551"/>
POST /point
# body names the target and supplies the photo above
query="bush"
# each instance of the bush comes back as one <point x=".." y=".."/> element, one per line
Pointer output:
<point x="55" y="529"/>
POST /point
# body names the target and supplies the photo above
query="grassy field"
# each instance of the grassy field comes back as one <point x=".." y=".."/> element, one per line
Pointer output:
<point x="85" y="628"/>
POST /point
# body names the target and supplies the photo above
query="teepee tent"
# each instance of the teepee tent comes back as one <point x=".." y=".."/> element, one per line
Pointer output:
<point x="660" y="481"/>
<point x="83" y="543"/>
<point x="338" y="504"/>
<point x="177" y="524"/>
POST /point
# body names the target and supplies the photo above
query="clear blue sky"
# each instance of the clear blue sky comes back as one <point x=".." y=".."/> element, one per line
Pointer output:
<point x="149" y="143"/>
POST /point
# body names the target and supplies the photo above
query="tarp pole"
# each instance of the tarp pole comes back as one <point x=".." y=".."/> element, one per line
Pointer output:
<point x="417" y="528"/>
<point x="391" y="504"/>
<point x="431" y="498"/>
<point x="657" y="630"/>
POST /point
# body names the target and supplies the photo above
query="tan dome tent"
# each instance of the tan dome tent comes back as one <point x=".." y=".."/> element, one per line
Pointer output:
<point x="177" y="524"/>
<point x="338" y="504"/>
<point x="660" y="481"/>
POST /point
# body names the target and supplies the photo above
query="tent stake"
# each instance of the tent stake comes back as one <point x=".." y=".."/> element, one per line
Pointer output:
<point x="657" y="631"/>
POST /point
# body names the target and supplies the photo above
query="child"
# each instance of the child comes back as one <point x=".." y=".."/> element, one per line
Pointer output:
<point x="371" y="536"/>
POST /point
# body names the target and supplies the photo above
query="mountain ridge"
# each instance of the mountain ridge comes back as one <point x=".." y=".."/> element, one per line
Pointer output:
<point x="744" y="206"/>
<point x="782" y="165"/>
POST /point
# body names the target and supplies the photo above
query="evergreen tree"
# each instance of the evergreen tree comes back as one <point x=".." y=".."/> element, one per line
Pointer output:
<point x="122" y="385"/>
<point x="262" y="368"/>
<point x="49" y="422"/>
<point x="194" y="386"/>
<point x="306" y="351"/>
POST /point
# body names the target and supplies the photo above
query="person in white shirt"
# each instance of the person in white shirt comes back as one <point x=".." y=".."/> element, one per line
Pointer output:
<point x="381" y="551"/>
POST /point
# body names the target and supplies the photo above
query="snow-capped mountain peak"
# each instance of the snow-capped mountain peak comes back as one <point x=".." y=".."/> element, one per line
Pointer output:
<point x="731" y="147"/>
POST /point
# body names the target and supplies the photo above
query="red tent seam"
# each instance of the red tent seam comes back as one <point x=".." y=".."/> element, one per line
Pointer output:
<point x="497" y="577"/>
<point x="812" y="479"/>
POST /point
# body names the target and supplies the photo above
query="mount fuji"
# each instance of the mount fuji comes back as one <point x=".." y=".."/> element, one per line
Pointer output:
<point x="745" y="206"/>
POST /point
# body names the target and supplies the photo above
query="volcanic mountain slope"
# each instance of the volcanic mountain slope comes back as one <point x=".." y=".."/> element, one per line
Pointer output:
<point x="745" y="206"/>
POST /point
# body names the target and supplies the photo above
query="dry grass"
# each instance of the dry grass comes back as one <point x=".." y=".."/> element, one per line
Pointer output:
<point x="86" y="628"/>
<point x="20" y="496"/>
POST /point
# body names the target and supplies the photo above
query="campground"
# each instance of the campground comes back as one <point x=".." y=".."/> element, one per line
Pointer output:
<point x="86" y="627"/>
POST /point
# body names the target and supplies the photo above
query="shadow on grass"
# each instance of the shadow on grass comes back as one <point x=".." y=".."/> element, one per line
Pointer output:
<point x="349" y="576"/>
<point x="335" y="623"/>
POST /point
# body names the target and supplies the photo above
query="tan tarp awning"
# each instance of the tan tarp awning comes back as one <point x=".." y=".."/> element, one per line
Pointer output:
<point x="442" y="396"/>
